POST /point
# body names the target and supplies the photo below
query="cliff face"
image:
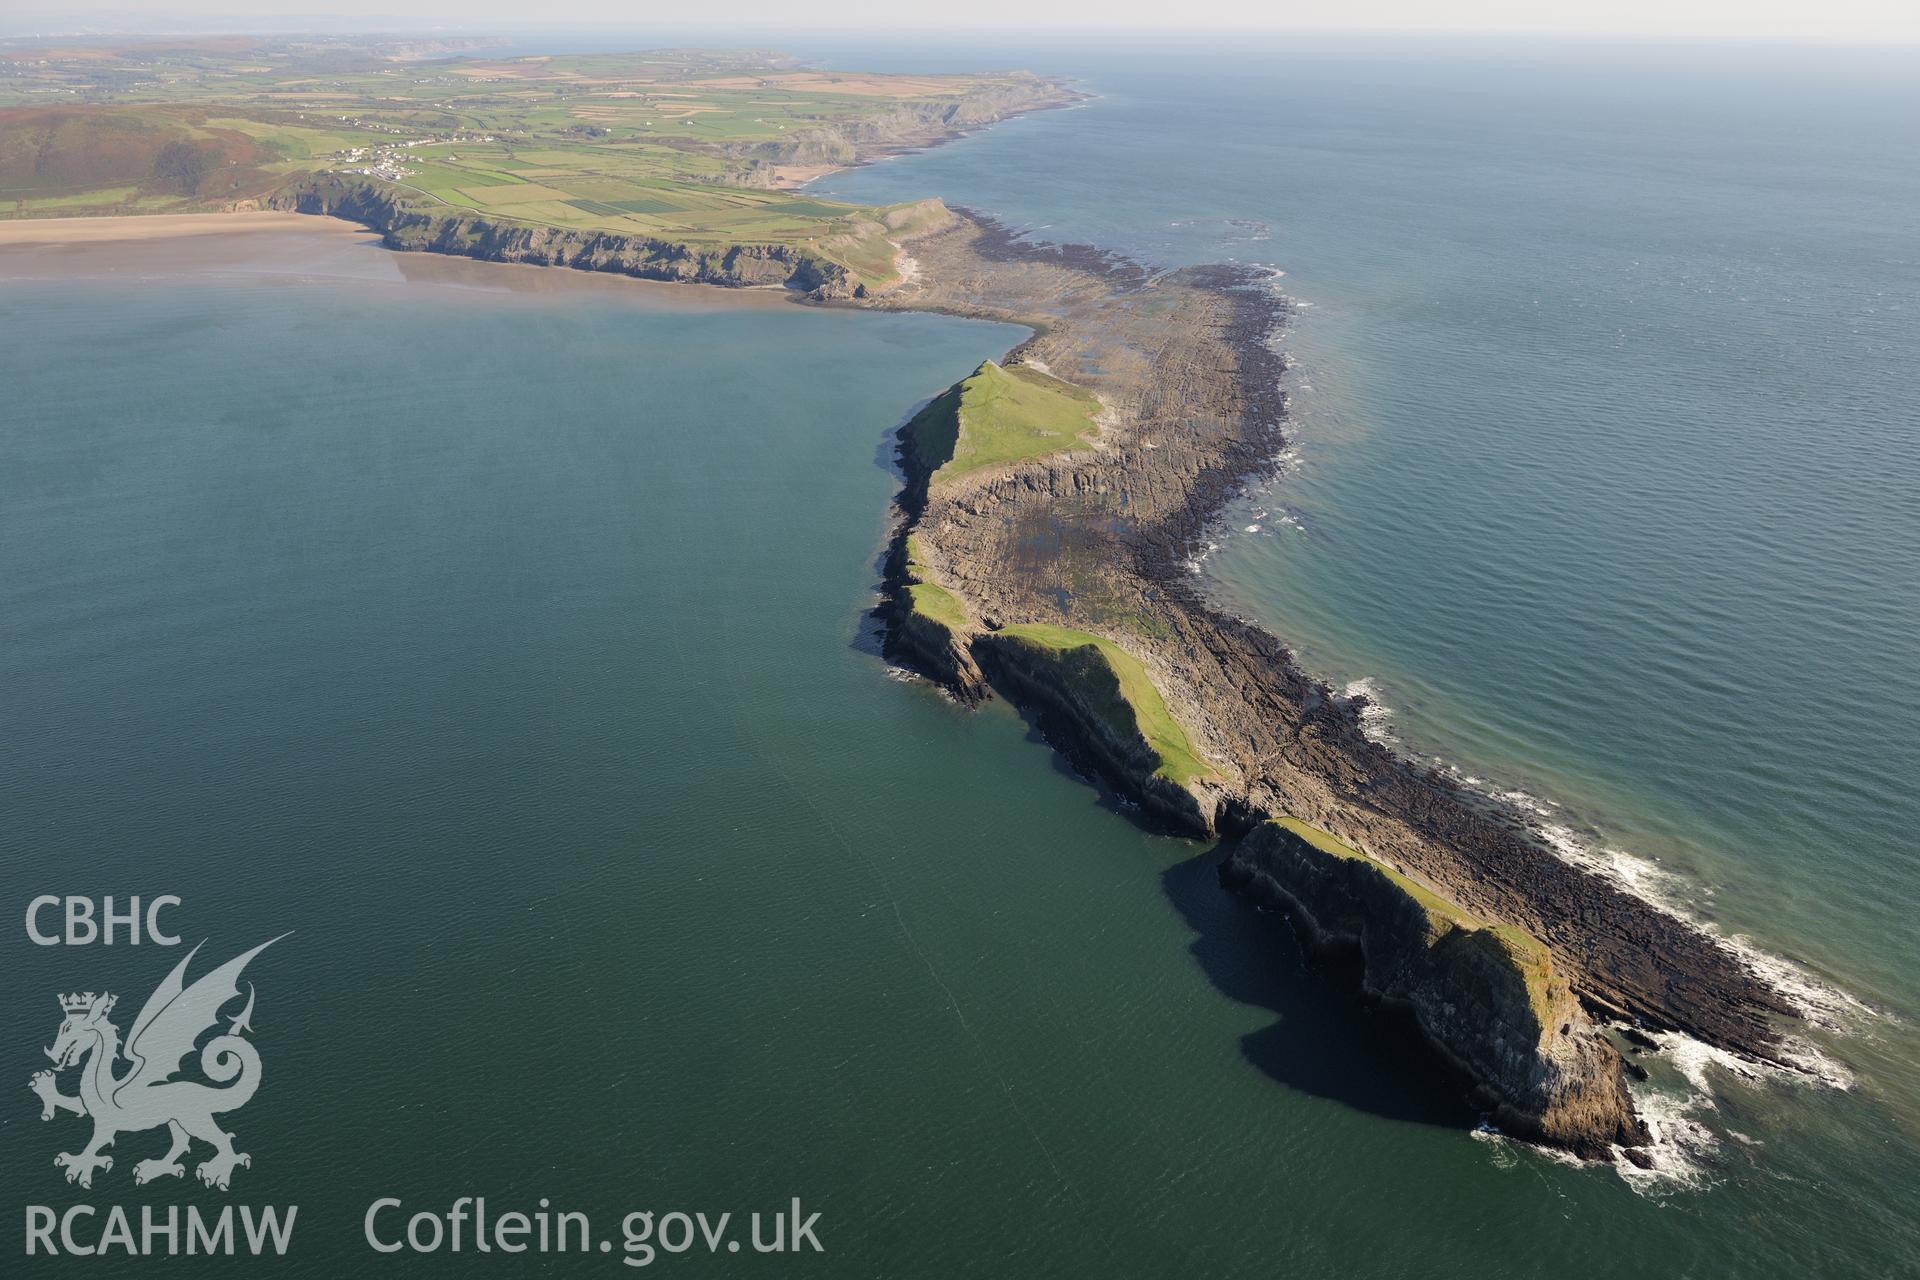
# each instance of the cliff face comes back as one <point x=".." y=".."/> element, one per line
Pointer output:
<point x="405" y="226"/>
<point x="939" y="650"/>
<point x="1489" y="997"/>
<point x="1099" y="721"/>
<point x="926" y="626"/>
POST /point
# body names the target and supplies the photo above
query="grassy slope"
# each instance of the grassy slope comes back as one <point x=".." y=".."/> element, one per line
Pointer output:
<point x="76" y="160"/>
<point x="1111" y="684"/>
<point x="1002" y="415"/>
<point x="1444" y="913"/>
<point x="1010" y="414"/>
<point x="931" y="601"/>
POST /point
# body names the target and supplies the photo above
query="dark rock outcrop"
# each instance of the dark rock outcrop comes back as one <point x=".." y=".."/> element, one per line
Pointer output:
<point x="1488" y="997"/>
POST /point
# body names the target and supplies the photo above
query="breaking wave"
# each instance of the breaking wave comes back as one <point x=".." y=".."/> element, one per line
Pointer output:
<point x="1819" y="1003"/>
<point x="1681" y="1140"/>
<point x="1680" y="1148"/>
<point x="1376" y="718"/>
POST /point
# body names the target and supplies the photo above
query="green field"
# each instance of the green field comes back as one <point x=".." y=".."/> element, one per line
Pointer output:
<point x="1111" y="684"/>
<point x="692" y="147"/>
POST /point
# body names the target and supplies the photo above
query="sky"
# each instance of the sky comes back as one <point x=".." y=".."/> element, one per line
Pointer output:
<point x="1827" y="21"/>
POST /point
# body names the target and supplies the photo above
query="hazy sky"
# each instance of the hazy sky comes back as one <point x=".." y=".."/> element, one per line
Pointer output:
<point x="1825" y="20"/>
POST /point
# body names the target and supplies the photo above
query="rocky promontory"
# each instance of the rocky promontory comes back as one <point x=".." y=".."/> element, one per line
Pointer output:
<point x="1047" y="554"/>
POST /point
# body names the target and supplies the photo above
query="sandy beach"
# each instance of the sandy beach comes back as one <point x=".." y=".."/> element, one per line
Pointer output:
<point x="164" y="226"/>
<point x="282" y="245"/>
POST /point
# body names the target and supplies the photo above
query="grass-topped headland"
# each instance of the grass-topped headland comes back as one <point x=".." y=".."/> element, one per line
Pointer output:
<point x="1488" y="995"/>
<point x="1109" y="686"/>
<point x="1000" y="414"/>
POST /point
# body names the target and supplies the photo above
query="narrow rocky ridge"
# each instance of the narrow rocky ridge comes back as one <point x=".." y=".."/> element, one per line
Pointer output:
<point x="1100" y="539"/>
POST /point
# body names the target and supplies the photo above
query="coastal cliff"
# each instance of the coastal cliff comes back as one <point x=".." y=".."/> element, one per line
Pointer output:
<point x="1489" y="997"/>
<point x="1108" y="714"/>
<point x="909" y="126"/>
<point x="408" y="225"/>
<point x="1100" y="705"/>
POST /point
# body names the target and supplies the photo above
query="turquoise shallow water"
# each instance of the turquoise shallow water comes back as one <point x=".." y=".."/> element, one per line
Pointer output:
<point x="508" y="647"/>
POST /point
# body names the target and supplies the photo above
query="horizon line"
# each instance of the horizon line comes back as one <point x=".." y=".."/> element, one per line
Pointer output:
<point x="341" y="27"/>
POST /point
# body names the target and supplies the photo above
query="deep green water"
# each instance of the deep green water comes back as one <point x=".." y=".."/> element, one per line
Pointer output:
<point x="505" y="647"/>
<point x="508" y="647"/>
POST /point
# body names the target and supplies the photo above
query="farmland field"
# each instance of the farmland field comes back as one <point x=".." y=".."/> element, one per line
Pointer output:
<point x="691" y="147"/>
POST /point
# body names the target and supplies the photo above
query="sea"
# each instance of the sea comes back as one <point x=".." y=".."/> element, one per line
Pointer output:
<point x="505" y="643"/>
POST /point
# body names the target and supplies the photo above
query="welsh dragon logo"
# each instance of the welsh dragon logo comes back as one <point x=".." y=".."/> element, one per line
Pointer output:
<point x="146" y="1096"/>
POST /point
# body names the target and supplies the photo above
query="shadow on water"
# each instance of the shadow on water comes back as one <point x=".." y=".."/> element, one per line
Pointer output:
<point x="870" y="636"/>
<point x="886" y="454"/>
<point x="1327" y="1039"/>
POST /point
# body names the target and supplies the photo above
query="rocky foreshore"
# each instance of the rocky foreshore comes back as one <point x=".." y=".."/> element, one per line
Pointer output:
<point x="1100" y="539"/>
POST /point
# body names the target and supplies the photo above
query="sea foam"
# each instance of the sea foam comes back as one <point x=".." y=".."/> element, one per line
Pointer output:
<point x="1819" y="1003"/>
